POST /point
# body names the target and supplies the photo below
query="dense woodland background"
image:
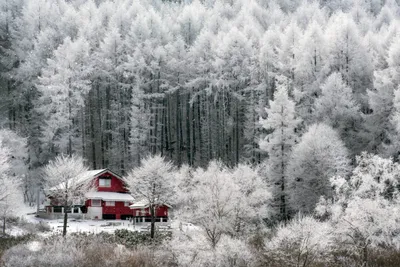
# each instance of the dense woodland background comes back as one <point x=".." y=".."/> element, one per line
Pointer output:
<point x="190" y="80"/>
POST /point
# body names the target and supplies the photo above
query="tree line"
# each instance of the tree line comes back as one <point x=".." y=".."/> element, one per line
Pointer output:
<point x="115" y="81"/>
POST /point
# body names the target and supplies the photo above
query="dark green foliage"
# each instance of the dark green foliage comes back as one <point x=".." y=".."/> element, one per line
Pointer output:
<point x="135" y="239"/>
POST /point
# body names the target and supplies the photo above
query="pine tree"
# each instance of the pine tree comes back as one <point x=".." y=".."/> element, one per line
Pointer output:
<point x="336" y="107"/>
<point x="278" y="144"/>
<point x="319" y="156"/>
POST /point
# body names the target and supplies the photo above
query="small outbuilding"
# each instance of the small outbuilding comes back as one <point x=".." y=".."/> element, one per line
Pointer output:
<point x="141" y="212"/>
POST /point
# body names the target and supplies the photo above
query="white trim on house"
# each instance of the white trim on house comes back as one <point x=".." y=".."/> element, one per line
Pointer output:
<point x="110" y="204"/>
<point x="109" y="196"/>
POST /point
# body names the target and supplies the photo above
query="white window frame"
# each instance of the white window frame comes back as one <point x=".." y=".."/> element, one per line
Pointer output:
<point x="110" y="203"/>
<point x="104" y="184"/>
<point x="98" y="203"/>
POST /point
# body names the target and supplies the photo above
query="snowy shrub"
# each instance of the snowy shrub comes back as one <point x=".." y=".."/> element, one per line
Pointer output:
<point x="188" y="249"/>
<point x="192" y="249"/>
<point x="302" y="242"/>
<point x="135" y="239"/>
<point x="77" y="251"/>
<point x="232" y="252"/>
<point x="7" y="242"/>
<point x="57" y="252"/>
<point x="26" y="226"/>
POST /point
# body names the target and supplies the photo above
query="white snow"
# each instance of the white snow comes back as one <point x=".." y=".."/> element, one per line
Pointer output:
<point x="109" y="196"/>
<point x="80" y="179"/>
<point x="140" y="204"/>
<point x="144" y="203"/>
<point x="34" y="245"/>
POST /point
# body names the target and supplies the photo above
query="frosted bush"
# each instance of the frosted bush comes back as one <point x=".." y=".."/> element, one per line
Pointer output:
<point x="58" y="253"/>
<point x="232" y="252"/>
<point x="301" y="242"/>
<point x="192" y="249"/>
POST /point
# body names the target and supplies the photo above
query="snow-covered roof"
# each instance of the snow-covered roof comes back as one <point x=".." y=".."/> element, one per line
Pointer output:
<point x="142" y="204"/>
<point x="81" y="179"/>
<point x="109" y="196"/>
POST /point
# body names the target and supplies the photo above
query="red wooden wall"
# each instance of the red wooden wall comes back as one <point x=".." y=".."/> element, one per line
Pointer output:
<point x="160" y="212"/>
<point x="116" y="184"/>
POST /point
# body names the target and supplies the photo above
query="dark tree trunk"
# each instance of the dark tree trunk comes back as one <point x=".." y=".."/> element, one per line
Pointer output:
<point x="153" y="221"/>
<point x="65" y="218"/>
<point x="365" y="256"/>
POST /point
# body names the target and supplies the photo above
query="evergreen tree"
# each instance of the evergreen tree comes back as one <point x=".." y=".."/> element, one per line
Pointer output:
<point x="278" y="144"/>
<point x="319" y="156"/>
<point x="336" y="107"/>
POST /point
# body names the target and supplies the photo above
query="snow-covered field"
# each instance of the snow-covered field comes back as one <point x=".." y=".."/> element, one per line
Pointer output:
<point x="85" y="226"/>
<point x="89" y="226"/>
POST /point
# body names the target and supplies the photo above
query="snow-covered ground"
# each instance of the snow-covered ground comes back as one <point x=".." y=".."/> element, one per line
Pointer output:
<point x="86" y="226"/>
<point x="90" y="226"/>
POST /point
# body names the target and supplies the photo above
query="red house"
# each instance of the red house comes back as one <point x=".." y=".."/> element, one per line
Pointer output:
<point x="109" y="200"/>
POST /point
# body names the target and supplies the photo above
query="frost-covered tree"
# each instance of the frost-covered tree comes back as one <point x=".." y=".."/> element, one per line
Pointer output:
<point x="311" y="56"/>
<point x="364" y="209"/>
<point x="270" y="45"/>
<point x="287" y="53"/>
<point x="381" y="98"/>
<point x="9" y="185"/>
<point x="63" y="85"/>
<point x="303" y="241"/>
<point x="278" y="144"/>
<point x="19" y="161"/>
<point x="337" y="107"/>
<point x="152" y="182"/>
<point x="225" y="202"/>
<point x="189" y="248"/>
<point x="394" y="148"/>
<point x="65" y="181"/>
<point x="348" y="56"/>
<point x="319" y="156"/>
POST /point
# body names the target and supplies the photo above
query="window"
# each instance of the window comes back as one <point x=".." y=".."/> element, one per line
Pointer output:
<point x="105" y="182"/>
<point x="110" y="203"/>
<point x="96" y="202"/>
<point x="126" y="204"/>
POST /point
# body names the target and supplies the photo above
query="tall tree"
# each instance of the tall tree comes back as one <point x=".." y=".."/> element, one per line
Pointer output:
<point x="348" y="56"/>
<point x="381" y="101"/>
<point x="319" y="156"/>
<point x="63" y="85"/>
<point x="9" y="185"/>
<point x="278" y="144"/>
<point x="153" y="183"/>
<point x="336" y="107"/>
<point x="63" y="179"/>
<point x="224" y="202"/>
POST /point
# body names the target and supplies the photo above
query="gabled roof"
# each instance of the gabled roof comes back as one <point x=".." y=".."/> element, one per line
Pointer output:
<point x="83" y="178"/>
<point x="109" y="196"/>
